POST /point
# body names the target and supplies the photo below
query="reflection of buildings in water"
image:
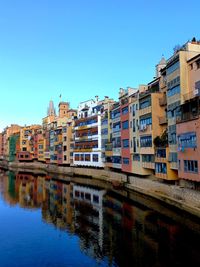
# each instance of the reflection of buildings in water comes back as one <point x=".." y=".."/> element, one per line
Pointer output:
<point x="30" y="189"/>
<point x="139" y="229"/>
<point x="88" y="203"/>
<point x="7" y="188"/>
<point x="67" y="204"/>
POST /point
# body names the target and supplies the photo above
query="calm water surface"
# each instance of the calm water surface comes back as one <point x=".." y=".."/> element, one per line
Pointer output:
<point x="46" y="222"/>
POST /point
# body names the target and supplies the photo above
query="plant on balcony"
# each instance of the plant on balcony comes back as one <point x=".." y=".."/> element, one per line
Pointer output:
<point x="161" y="141"/>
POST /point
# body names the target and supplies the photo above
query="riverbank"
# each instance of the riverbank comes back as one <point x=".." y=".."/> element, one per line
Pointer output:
<point x="182" y="198"/>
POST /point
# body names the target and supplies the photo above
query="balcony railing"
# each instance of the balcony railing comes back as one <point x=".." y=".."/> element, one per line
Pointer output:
<point x="108" y="147"/>
<point x="145" y="110"/>
<point x="174" y="165"/>
<point x="192" y="94"/>
<point x="161" y="175"/>
<point x="187" y="117"/>
<point x="148" y="165"/>
<point x="145" y="128"/>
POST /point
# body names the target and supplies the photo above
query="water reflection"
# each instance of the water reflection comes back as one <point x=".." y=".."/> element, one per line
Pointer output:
<point x="111" y="229"/>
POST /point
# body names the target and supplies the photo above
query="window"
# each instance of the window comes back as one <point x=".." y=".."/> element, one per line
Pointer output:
<point x="124" y="110"/>
<point x="145" y="121"/>
<point x="148" y="158"/>
<point x="96" y="199"/>
<point x="125" y="125"/>
<point x="115" y="113"/>
<point x="104" y="131"/>
<point x="173" y="91"/>
<point x="65" y="157"/>
<point x="95" y="157"/>
<point x="134" y="125"/>
<point x="87" y="196"/>
<point x="116" y="159"/>
<point x="77" y="193"/>
<point x="161" y="168"/>
<point x="87" y="157"/>
<point x="172" y="68"/>
<point x="24" y="149"/>
<point x="173" y="157"/>
<point x="174" y="82"/>
<point x="65" y="138"/>
<point x="145" y="103"/>
<point x="146" y="141"/>
<point x="161" y="153"/>
<point x="198" y="64"/>
<point x="126" y="161"/>
<point x="134" y="144"/>
<point x="136" y="157"/>
<point x="173" y="110"/>
<point x="125" y="143"/>
<point x="133" y="110"/>
<point x="191" y="166"/>
<point x="187" y="140"/>
<point x="104" y="122"/>
<point x="116" y="126"/>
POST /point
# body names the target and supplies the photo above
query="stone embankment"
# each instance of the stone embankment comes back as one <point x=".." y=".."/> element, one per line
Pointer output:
<point x="183" y="198"/>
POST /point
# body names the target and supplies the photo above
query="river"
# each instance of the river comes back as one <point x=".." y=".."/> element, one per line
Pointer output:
<point x="45" y="221"/>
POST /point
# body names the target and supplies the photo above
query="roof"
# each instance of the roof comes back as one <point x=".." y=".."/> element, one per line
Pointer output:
<point x="194" y="58"/>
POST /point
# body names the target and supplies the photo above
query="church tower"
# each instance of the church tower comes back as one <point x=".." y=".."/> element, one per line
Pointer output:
<point x="63" y="109"/>
<point x="51" y="110"/>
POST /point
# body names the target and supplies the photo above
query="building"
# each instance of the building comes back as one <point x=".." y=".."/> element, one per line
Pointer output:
<point x="116" y="162"/>
<point x="14" y="143"/>
<point x="188" y="127"/>
<point x="28" y="149"/>
<point x="126" y="161"/>
<point x="88" y="140"/>
<point x="177" y="78"/>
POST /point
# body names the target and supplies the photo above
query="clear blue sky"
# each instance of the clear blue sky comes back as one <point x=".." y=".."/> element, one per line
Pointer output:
<point x="83" y="48"/>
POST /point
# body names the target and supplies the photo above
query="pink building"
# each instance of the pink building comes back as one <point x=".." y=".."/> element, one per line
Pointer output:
<point x="125" y="135"/>
<point x="188" y="127"/>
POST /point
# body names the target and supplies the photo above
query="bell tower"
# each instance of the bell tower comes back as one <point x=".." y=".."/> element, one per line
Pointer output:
<point x="63" y="109"/>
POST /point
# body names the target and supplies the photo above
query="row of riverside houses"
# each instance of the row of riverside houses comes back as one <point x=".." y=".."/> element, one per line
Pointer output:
<point x="150" y="130"/>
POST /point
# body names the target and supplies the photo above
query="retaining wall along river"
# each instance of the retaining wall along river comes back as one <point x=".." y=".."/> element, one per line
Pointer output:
<point x="183" y="198"/>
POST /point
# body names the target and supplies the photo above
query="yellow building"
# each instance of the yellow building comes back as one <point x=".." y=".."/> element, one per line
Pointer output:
<point x="149" y="124"/>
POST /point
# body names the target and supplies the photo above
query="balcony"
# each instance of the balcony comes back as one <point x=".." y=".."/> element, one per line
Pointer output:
<point x="192" y="94"/>
<point x="161" y="175"/>
<point x="117" y="165"/>
<point x="116" y="150"/>
<point x="86" y="126"/>
<point x="163" y="101"/>
<point x="148" y="165"/>
<point x="187" y="117"/>
<point x="147" y="150"/>
<point x="159" y="159"/>
<point x="85" y="138"/>
<point x="47" y="155"/>
<point x="85" y="149"/>
<point x="145" y="111"/>
<point x="145" y="129"/>
<point x="108" y="147"/>
<point x="174" y="165"/>
<point x="162" y="120"/>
